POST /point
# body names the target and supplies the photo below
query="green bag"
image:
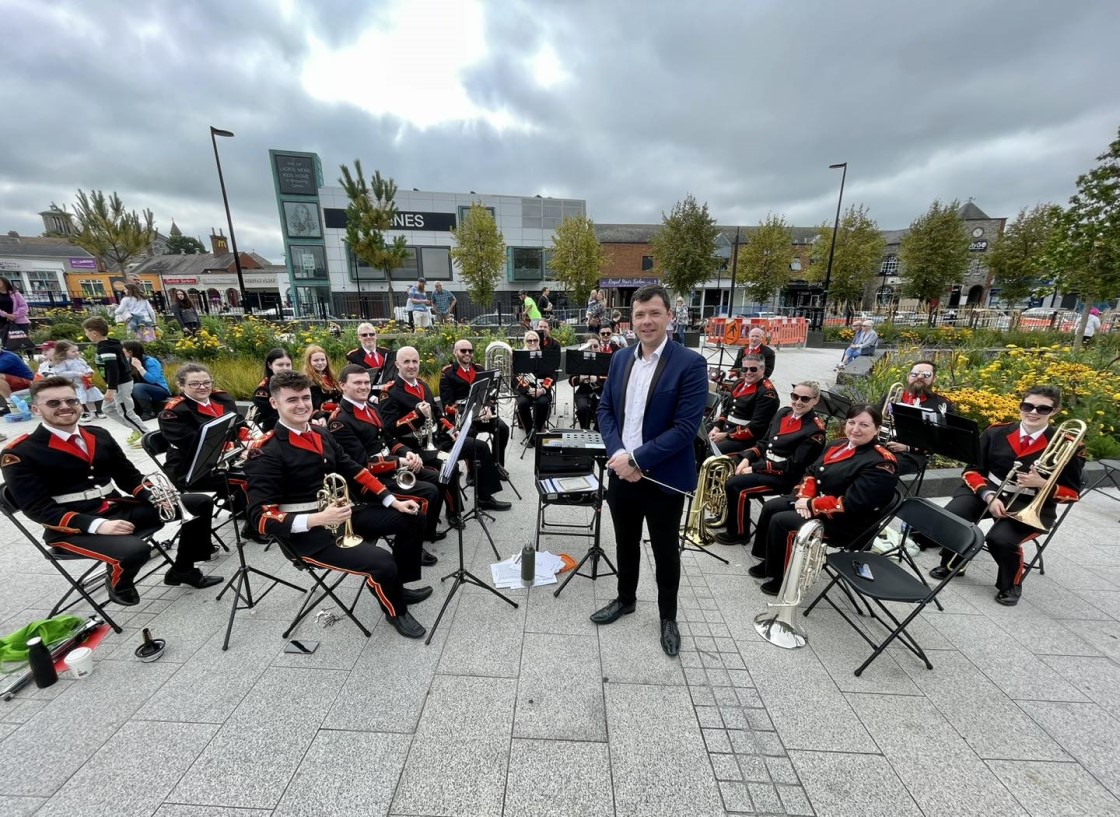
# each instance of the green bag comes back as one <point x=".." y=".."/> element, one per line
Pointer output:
<point x="13" y="648"/>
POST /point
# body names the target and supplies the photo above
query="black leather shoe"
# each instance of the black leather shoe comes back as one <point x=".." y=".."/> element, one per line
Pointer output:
<point x="612" y="612"/>
<point x="439" y="536"/>
<point x="416" y="595"/>
<point x="728" y="538"/>
<point x="194" y="578"/>
<point x="670" y="637"/>
<point x="771" y="587"/>
<point x="941" y="572"/>
<point x="757" y="571"/>
<point x="455" y="521"/>
<point x="1008" y="597"/>
<point x="124" y="596"/>
<point x="406" y="625"/>
<point x="491" y="504"/>
<point x="427" y="559"/>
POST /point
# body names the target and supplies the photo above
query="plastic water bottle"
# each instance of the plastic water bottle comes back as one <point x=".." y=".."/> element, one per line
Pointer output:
<point x="42" y="665"/>
<point x="18" y="404"/>
<point x="528" y="564"/>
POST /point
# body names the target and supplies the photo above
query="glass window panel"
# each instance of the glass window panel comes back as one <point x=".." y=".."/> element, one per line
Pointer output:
<point x="435" y="263"/>
<point x="527" y="263"/>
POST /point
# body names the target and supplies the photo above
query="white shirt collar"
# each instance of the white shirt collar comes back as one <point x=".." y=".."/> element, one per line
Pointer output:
<point x="198" y="401"/>
<point x="295" y="430"/>
<point x="355" y="402"/>
<point x="1027" y="435"/>
<point x="58" y="432"/>
<point x="656" y="352"/>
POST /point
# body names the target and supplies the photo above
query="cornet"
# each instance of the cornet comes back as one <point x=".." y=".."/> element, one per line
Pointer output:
<point x="335" y="492"/>
<point x="165" y="496"/>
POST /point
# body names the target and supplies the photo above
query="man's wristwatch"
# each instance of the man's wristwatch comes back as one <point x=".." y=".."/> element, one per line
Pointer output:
<point x="632" y="462"/>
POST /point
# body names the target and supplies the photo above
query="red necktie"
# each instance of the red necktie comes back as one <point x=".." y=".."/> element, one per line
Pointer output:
<point x="308" y="440"/>
<point x="416" y="391"/>
<point x="78" y="443"/>
<point x="211" y="409"/>
<point x="373" y="359"/>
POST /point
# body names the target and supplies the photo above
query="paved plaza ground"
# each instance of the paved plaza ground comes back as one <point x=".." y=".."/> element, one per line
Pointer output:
<point x="535" y="711"/>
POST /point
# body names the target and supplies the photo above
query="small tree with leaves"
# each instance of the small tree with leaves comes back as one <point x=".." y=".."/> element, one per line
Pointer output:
<point x="684" y="247"/>
<point x="577" y="257"/>
<point x="1018" y="259"/>
<point x="856" y="259"/>
<point x="764" y="259"/>
<point x="369" y="215"/>
<point x="480" y="252"/>
<point x="184" y="245"/>
<point x="934" y="254"/>
<point x="1085" y="251"/>
<point x="109" y="232"/>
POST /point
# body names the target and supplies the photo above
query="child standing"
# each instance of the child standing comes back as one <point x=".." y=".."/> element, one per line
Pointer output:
<point x="118" y="380"/>
<point x="65" y="360"/>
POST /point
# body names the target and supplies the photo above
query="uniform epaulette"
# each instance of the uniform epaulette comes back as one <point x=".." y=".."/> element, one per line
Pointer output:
<point x="886" y="452"/>
<point x="257" y="443"/>
<point x="448" y="366"/>
<point x="766" y="384"/>
<point x="263" y="384"/>
<point x="173" y="402"/>
<point x="820" y="423"/>
<point x="17" y="440"/>
<point x="7" y="458"/>
<point x="218" y="391"/>
<point x="354" y="351"/>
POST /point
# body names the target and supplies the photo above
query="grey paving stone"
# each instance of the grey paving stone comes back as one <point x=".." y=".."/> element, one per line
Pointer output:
<point x="1087" y="732"/>
<point x="794" y="800"/>
<point x="363" y="766"/>
<point x="753" y="768"/>
<point x="558" y="778"/>
<point x="765" y="797"/>
<point x="736" y="797"/>
<point x="840" y="784"/>
<point x="802" y="700"/>
<point x="12" y="806"/>
<point x="179" y="810"/>
<point x="840" y="649"/>
<point x="926" y="751"/>
<point x="1055" y="789"/>
<point x="1104" y="636"/>
<point x="659" y="764"/>
<point x="133" y="772"/>
<point x="1097" y="678"/>
<point x="781" y="770"/>
<point x="459" y="756"/>
<point x="256" y="752"/>
<point x="631" y="650"/>
<point x="501" y="627"/>
<point x="726" y="767"/>
<point x="569" y="614"/>
<point x="560" y="692"/>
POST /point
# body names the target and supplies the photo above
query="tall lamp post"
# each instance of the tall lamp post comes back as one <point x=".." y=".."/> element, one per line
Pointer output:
<point x="832" y="249"/>
<point x="214" y="134"/>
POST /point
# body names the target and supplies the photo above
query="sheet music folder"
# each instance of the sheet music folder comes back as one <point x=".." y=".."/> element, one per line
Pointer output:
<point x="950" y="435"/>
<point x="211" y="443"/>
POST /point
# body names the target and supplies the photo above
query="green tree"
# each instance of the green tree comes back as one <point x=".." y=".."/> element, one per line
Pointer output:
<point x="934" y="254"/>
<point x="184" y="245"/>
<point x="856" y="260"/>
<point x="1085" y="251"/>
<point x="764" y="259"/>
<point x="480" y="252"/>
<point x="369" y="215"/>
<point x="684" y="247"/>
<point x="1018" y="258"/>
<point x="577" y="257"/>
<point x="109" y="232"/>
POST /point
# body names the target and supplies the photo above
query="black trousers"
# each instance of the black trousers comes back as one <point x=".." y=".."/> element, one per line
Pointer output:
<point x="631" y="504"/>
<point x="426" y="491"/>
<point x="777" y="528"/>
<point x="533" y="411"/>
<point x="498" y="429"/>
<point x="910" y="463"/>
<point x="374" y="565"/>
<point x="730" y="446"/>
<point x="406" y="530"/>
<point x="740" y="489"/>
<point x="587" y="405"/>
<point x="1005" y="538"/>
<point x="474" y="452"/>
<point x="126" y="554"/>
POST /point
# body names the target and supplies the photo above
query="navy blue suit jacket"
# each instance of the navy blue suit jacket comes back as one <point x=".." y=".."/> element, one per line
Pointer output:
<point x="674" y="408"/>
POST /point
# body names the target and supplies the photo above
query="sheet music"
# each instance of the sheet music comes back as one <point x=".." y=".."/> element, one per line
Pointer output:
<point x="211" y="440"/>
<point x="456" y="450"/>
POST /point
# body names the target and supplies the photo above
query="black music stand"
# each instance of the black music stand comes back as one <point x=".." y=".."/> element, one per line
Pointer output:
<point x="543" y="363"/>
<point x="587" y="362"/>
<point x="461" y="574"/>
<point x="484" y="390"/>
<point x="950" y="435"/>
<point x="595" y="550"/>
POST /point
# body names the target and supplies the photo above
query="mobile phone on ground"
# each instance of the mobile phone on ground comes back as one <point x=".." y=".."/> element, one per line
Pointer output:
<point x="301" y="647"/>
<point x="863" y="571"/>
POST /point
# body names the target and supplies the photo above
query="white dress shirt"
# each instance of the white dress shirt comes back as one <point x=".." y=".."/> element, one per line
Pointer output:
<point x="637" y="391"/>
<point x="81" y="443"/>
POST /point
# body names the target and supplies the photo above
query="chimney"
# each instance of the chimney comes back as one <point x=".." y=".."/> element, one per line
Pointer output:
<point x="218" y="243"/>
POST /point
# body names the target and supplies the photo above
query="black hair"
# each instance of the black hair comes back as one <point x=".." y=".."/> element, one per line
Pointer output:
<point x="865" y="408"/>
<point x="649" y="292"/>
<point x="273" y="356"/>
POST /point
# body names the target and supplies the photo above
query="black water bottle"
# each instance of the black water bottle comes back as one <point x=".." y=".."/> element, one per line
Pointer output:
<point x="42" y="665"/>
<point x="528" y="564"/>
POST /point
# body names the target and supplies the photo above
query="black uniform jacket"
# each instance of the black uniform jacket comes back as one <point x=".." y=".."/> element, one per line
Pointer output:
<point x="398" y="410"/>
<point x="455" y="386"/>
<point x="1000" y="448"/>
<point x="582" y="384"/>
<point x="757" y="403"/>
<point x="326" y="392"/>
<point x="39" y="466"/>
<point x="360" y="431"/>
<point x="763" y="351"/>
<point x="373" y="361"/>
<point x="267" y="416"/>
<point x="796" y="441"/>
<point x="181" y="422"/>
<point x="286" y="469"/>
<point x="543" y="370"/>
<point x="849" y="484"/>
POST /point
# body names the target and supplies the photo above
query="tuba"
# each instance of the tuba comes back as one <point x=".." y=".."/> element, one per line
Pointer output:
<point x="783" y="628"/>
<point x="1059" y="451"/>
<point x="886" y="431"/>
<point x="499" y="356"/>
<point x="710" y="499"/>
<point x="165" y="496"/>
<point x="335" y="492"/>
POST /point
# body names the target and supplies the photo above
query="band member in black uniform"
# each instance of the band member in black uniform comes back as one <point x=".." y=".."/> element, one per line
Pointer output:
<point x="277" y="360"/>
<point x="285" y="470"/>
<point x="607" y="343"/>
<point x="588" y="391"/>
<point x="325" y="392"/>
<point x="368" y="354"/>
<point x="845" y="488"/>
<point x="358" y="428"/>
<point x="796" y="438"/>
<point x="544" y="332"/>
<point x="1000" y="447"/>
<point x="408" y="403"/>
<point x="455" y="383"/>
<point x="757" y="346"/>
<point x="919" y="392"/>
<point x="534" y="390"/>
<point x="754" y="404"/>
<point x="70" y="479"/>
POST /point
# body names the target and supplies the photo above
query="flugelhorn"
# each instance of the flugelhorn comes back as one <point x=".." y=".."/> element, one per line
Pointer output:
<point x="783" y="628"/>
<point x="165" y="496"/>
<point x="335" y="492"/>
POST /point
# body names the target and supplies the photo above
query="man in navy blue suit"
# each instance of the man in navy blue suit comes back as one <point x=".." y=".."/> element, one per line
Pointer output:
<point x="649" y="415"/>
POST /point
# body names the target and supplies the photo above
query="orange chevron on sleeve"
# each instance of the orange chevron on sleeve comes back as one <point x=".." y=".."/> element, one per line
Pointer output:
<point x="369" y="482"/>
<point x="408" y="419"/>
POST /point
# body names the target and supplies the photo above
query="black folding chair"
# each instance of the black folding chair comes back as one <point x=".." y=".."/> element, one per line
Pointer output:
<point x="321" y="578"/>
<point x="88" y="581"/>
<point x="877" y="578"/>
<point x="155" y="446"/>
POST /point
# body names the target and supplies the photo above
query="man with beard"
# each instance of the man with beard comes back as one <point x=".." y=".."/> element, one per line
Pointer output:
<point x="919" y="392"/>
<point x="455" y="383"/>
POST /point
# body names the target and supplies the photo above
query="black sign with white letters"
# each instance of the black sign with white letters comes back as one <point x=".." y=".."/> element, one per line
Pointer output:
<point x="335" y="218"/>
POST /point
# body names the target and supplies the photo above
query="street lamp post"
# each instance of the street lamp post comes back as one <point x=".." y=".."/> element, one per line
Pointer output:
<point x="214" y="133"/>
<point x="832" y="249"/>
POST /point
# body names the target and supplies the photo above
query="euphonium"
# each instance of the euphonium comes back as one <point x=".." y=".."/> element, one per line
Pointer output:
<point x="783" y="628"/>
<point x="499" y="356"/>
<point x="1059" y="451"/>
<point x="894" y="394"/>
<point x="335" y="492"/>
<point x="165" y="496"/>
<point x="710" y="499"/>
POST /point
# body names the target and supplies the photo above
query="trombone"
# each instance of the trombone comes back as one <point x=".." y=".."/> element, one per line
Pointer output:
<point x="1059" y="451"/>
<point x="894" y="395"/>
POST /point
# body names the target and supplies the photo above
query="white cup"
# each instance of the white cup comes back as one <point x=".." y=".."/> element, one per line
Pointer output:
<point x="80" y="662"/>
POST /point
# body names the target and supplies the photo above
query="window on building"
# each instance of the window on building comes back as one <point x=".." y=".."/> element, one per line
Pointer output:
<point x="309" y="261"/>
<point x="795" y="265"/>
<point x="41" y="282"/>
<point x="409" y="270"/>
<point x="647" y="263"/>
<point x="435" y="263"/>
<point x="527" y="263"/>
<point x="889" y="265"/>
<point x="360" y="270"/>
<point x="464" y="209"/>
<point x="92" y="288"/>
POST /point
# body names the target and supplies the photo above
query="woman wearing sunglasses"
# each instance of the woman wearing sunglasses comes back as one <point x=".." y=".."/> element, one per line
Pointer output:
<point x="1001" y="446"/>
<point x="796" y="437"/>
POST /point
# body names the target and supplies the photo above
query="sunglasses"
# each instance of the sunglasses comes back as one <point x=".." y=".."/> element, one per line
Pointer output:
<point x="532" y="341"/>
<point x="69" y="402"/>
<point x="1027" y="408"/>
<point x="466" y="351"/>
<point x="604" y="334"/>
<point x="751" y="369"/>
<point x="800" y="398"/>
<point x="922" y="375"/>
<point x="367" y="334"/>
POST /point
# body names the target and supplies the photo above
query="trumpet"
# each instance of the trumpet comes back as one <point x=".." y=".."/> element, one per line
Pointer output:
<point x="165" y="496"/>
<point x="886" y="431"/>
<point x="335" y="492"/>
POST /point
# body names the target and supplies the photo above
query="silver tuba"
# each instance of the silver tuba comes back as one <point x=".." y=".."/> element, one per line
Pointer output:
<point x="499" y="356"/>
<point x="165" y="496"/>
<point x="783" y="628"/>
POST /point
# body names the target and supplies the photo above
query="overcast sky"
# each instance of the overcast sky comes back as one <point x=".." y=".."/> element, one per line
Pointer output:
<point x="629" y="104"/>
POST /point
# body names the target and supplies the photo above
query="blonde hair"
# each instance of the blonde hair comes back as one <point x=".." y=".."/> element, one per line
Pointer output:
<point x="326" y="380"/>
<point x="61" y="347"/>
